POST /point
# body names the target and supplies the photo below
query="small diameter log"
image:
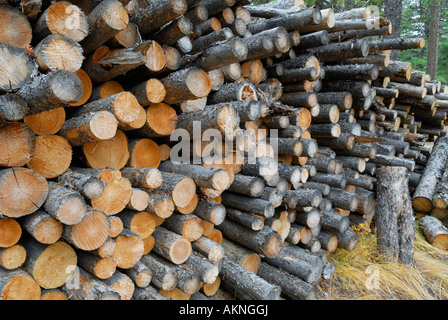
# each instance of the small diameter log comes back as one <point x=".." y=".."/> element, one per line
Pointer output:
<point x="90" y="233"/>
<point x="246" y="219"/>
<point x="43" y="227"/>
<point x="422" y="198"/>
<point x="343" y="199"/>
<point x="161" y="120"/>
<point x="112" y="153"/>
<point x="348" y="240"/>
<point x="147" y="178"/>
<point x="210" y="249"/>
<point x="210" y="211"/>
<point x="171" y="246"/>
<point x="189" y="281"/>
<point x="18" y="285"/>
<point x="246" y="284"/>
<point x="13" y="107"/>
<point x="88" y="287"/>
<point x="52" y="90"/>
<point x="21" y="142"/>
<point x="247" y="185"/>
<point x="124" y="106"/>
<point x="206" y="269"/>
<point x="16" y="28"/>
<point x="88" y="186"/>
<point x="66" y="205"/>
<point x="181" y="188"/>
<point x="58" y="18"/>
<point x="248" y="204"/>
<point x="24" y="191"/>
<point x="140" y="274"/>
<point x="122" y="284"/>
<point x="105" y="21"/>
<point x="328" y="240"/>
<point x="310" y="218"/>
<point x="341" y="50"/>
<point x="17" y="67"/>
<point x="266" y="241"/>
<point x="217" y="179"/>
<point x="160" y="204"/>
<point x="188" y="226"/>
<point x="186" y="84"/>
<point x="56" y="52"/>
<point x="102" y="268"/>
<point x="164" y="277"/>
<point x="141" y="223"/>
<point x="292" y="286"/>
<point x="235" y="91"/>
<point x="149" y="92"/>
<point x="12" y="257"/>
<point x="116" y="193"/>
<point x="299" y="262"/>
<point x="434" y="231"/>
<point x="50" y="265"/>
<point x="86" y="88"/>
<point x="245" y="257"/>
<point x="334" y="222"/>
<point x="10" y="231"/>
<point x="232" y="51"/>
<point x="223" y="117"/>
<point x="128" y="249"/>
<point x="306" y="197"/>
<point x="143" y="153"/>
<point x="52" y="156"/>
<point x="148" y="293"/>
<point x="157" y="14"/>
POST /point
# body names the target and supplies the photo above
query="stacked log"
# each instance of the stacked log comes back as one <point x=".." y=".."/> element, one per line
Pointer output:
<point x="185" y="149"/>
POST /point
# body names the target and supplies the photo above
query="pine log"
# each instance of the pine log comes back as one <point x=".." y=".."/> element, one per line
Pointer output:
<point x="17" y="67"/>
<point x="13" y="107"/>
<point x="52" y="90"/>
<point x="18" y="284"/>
<point x="128" y="249"/>
<point x="164" y="276"/>
<point x="24" y="191"/>
<point x="19" y="144"/>
<point x="434" y="231"/>
<point x="248" y="204"/>
<point x="140" y="274"/>
<point x="43" y="227"/>
<point x="90" y="187"/>
<point x="105" y="21"/>
<point x="50" y="265"/>
<point x="16" y="28"/>
<point x="171" y="246"/>
<point x="209" y="248"/>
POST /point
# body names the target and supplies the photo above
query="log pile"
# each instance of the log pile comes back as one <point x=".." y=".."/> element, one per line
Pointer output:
<point x="303" y="106"/>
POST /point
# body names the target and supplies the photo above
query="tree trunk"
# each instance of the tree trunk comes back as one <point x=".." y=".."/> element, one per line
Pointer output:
<point x="433" y="41"/>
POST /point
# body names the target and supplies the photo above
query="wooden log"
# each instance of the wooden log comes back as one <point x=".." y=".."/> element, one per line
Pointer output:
<point x="188" y="226"/>
<point x="88" y="287"/>
<point x="434" y="231"/>
<point x="181" y="188"/>
<point x="21" y="142"/>
<point x="103" y="25"/>
<point x="13" y="107"/>
<point x="171" y="246"/>
<point x="292" y="286"/>
<point x="299" y="262"/>
<point x="57" y="52"/>
<point x="209" y="248"/>
<point x="11" y="232"/>
<point x="235" y="91"/>
<point x="121" y="284"/>
<point x="164" y="277"/>
<point x="128" y="249"/>
<point x="16" y="28"/>
<point x="43" y="227"/>
<point x="20" y="67"/>
<point x="24" y="191"/>
<point x="343" y="50"/>
<point x="148" y="293"/>
<point x="141" y="223"/>
<point x="18" y="284"/>
<point x="266" y="241"/>
<point x="149" y="92"/>
<point x="52" y="156"/>
<point x="102" y="268"/>
<point x="251" y="221"/>
<point x="117" y="191"/>
<point x="58" y="257"/>
<point x="90" y="233"/>
<point x="140" y="274"/>
<point x="262" y="291"/>
<point x="52" y="90"/>
<point x="248" y="204"/>
<point x="88" y="186"/>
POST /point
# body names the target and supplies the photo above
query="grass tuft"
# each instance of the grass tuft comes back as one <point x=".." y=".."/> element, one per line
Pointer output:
<point x="362" y="274"/>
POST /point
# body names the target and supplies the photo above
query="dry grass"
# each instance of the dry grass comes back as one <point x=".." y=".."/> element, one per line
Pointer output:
<point x="361" y="274"/>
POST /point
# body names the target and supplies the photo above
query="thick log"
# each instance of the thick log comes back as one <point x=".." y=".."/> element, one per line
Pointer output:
<point x="21" y="142"/>
<point x="16" y="28"/>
